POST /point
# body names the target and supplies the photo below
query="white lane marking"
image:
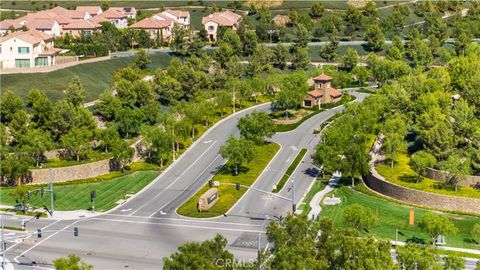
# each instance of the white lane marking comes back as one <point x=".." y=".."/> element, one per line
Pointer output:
<point x="188" y="220"/>
<point x="125" y="210"/>
<point x="194" y="180"/>
<point x="41" y="242"/>
<point x="177" y="225"/>
<point x="173" y="182"/>
<point x="293" y="147"/>
<point x="12" y="246"/>
<point x="162" y="213"/>
<point x="209" y="141"/>
<point x="8" y="234"/>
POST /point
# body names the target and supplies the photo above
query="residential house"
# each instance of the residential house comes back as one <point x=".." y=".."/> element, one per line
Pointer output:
<point x="178" y="16"/>
<point x="9" y="25"/>
<point x="159" y="27"/>
<point x="131" y="12"/>
<point x="81" y="27"/>
<point x="46" y="25"/>
<point x="116" y="16"/>
<point x="31" y="48"/>
<point x="226" y="19"/>
<point x="70" y="14"/>
<point x="92" y="10"/>
<point x="323" y="92"/>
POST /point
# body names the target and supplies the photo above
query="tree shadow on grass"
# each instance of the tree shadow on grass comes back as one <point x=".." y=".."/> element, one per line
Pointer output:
<point x="410" y="178"/>
<point x="229" y="169"/>
<point x="416" y="240"/>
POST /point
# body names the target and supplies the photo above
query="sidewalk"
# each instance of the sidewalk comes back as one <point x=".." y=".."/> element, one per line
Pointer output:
<point x="317" y="199"/>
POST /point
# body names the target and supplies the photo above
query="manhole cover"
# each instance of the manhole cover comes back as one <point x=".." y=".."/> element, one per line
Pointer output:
<point x="249" y="240"/>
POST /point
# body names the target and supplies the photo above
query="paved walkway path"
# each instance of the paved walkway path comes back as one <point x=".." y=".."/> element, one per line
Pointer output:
<point x="317" y="199"/>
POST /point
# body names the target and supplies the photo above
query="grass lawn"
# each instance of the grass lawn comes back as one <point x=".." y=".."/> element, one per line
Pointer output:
<point x="77" y="196"/>
<point x="95" y="77"/>
<point x="402" y="174"/>
<point x="394" y="215"/>
<point x="317" y="186"/>
<point x="228" y="195"/>
<point x="290" y="170"/>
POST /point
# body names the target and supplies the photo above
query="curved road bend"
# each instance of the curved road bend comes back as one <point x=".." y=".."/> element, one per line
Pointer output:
<point x="145" y="229"/>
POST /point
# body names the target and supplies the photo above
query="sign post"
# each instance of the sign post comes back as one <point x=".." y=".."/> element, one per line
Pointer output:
<point x="93" y="194"/>
<point x="411" y="220"/>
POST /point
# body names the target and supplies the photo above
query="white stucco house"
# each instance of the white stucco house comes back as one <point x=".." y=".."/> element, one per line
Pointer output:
<point x="178" y="16"/>
<point x="116" y="16"/>
<point x="158" y="26"/>
<point x="213" y="21"/>
<point x="31" y="48"/>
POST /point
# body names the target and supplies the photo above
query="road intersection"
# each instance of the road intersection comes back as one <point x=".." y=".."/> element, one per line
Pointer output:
<point x="139" y="233"/>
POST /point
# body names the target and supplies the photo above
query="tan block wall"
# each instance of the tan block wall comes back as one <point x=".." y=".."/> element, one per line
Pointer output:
<point x="421" y="198"/>
<point x="441" y="176"/>
<point x="62" y="174"/>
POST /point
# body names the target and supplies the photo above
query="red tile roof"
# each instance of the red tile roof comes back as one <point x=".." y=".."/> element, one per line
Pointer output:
<point x="92" y="10"/>
<point x="225" y="18"/>
<point x="322" y="77"/>
<point x="113" y="13"/>
<point x="30" y="36"/>
<point x="151" y="23"/>
<point x="178" y="13"/>
<point x="319" y="92"/>
<point x="82" y="24"/>
<point x="5" y="24"/>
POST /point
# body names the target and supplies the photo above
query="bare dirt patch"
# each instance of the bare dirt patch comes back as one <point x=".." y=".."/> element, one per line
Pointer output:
<point x="263" y="3"/>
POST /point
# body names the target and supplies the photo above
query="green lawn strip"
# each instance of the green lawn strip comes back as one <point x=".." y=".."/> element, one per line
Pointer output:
<point x="228" y="195"/>
<point x="95" y="77"/>
<point x="401" y="174"/>
<point x="290" y="170"/>
<point x="457" y="253"/>
<point x="317" y="186"/>
<point x="395" y="216"/>
<point x="77" y="196"/>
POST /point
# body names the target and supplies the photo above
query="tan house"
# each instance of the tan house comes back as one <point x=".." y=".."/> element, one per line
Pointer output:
<point x="178" y="16"/>
<point x="6" y="26"/>
<point x="31" y="48"/>
<point x="158" y="26"/>
<point x="78" y="28"/>
<point x="213" y="21"/>
<point x="323" y="92"/>
<point x="115" y="15"/>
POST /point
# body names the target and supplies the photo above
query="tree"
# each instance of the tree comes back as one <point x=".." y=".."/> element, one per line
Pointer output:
<point x="157" y="141"/>
<point x="329" y="51"/>
<point x="422" y="160"/>
<point x="77" y="142"/>
<point x="122" y="154"/>
<point x="223" y="100"/>
<point x="316" y="10"/>
<point x="260" y="61"/>
<point x="9" y="104"/>
<point x="72" y="262"/>
<point x="231" y="38"/>
<point x="36" y="141"/>
<point x="458" y="169"/>
<point x="20" y="195"/>
<point x="396" y="51"/>
<point x="42" y="108"/>
<point x="374" y="37"/>
<point x="104" y="5"/>
<point x="435" y="225"/>
<point x="169" y="90"/>
<point x="223" y="54"/>
<point x="355" y="159"/>
<point x="280" y="56"/>
<point x="250" y="42"/>
<point x="108" y="105"/>
<point x="303" y="36"/>
<point x="238" y="152"/>
<point x="256" y="127"/>
<point x="475" y="232"/>
<point x="143" y="39"/>
<point x="349" y="60"/>
<point x="180" y="39"/>
<point x="395" y="130"/>
<point x="359" y="217"/>
<point x="143" y="92"/>
<point x="108" y="137"/>
<point x="205" y="255"/>
<point x="142" y="59"/>
<point x="353" y="20"/>
<point x="414" y="256"/>
<point x="75" y="94"/>
<point x="453" y="262"/>
<point x="361" y="74"/>
<point x="293" y="89"/>
<point x="128" y="121"/>
<point x="300" y="59"/>
<point x="419" y="53"/>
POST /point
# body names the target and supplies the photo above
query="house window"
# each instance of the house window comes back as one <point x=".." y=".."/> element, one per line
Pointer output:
<point x="41" y="61"/>
<point x="211" y="28"/>
<point x="87" y="32"/>
<point x="23" y="49"/>
<point x="22" y="63"/>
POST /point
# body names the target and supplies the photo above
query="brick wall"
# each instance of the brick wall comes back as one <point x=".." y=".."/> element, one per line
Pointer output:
<point x="62" y="174"/>
<point x="421" y="198"/>
<point x="441" y="176"/>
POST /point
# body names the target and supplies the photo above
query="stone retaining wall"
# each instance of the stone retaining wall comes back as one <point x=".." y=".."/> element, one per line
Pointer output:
<point x="426" y="199"/>
<point x="442" y="176"/>
<point x="62" y="174"/>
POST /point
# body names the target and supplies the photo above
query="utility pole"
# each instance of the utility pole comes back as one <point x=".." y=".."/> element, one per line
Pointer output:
<point x="3" y="243"/>
<point x="50" y="184"/>
<point x="294" y="206"/>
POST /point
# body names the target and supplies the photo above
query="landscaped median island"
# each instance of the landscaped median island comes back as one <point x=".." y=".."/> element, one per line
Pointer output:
<point x="228" y="195"/>
<point x="392" y="215"/>
<point x="290" y="170"/>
